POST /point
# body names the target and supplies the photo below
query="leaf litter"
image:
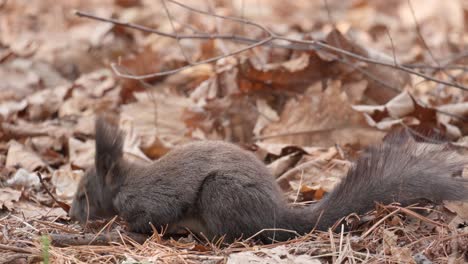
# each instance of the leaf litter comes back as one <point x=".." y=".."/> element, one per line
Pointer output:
<point x="307" y="113"/>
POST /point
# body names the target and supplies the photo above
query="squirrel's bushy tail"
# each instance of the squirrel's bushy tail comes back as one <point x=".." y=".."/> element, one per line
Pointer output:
<point x="398" y="170"/>
<point x="404" y="172"/>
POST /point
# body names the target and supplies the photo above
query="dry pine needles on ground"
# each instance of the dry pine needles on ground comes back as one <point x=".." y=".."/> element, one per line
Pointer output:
<point x="305" y="85"/>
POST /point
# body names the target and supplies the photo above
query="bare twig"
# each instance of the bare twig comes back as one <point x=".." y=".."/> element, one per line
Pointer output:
<point x="373" y="61"/>
<point x="169" y="72"/>
<point x="445" y="63"/>
<point x="63" y="240"/>
<point x="17" y="249"/>
<point x="271" y="37"/>
<point x="231" y="37"/>
<point x="62" y="205"/>
<point x="426" y="46"/>
<point x="418" y="31"/>
<point x="169" y="16"/>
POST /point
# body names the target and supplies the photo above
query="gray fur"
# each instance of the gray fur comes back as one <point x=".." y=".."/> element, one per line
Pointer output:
<point x="218" y="189"/>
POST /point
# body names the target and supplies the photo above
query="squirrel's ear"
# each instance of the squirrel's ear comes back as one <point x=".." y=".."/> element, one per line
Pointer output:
<point x="109" y="152"/>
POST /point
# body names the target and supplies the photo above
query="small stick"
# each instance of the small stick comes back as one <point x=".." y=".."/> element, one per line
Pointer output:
<point x="64" y="240"/>
<point x="17" y="249"/>
<point x="62" y="205"/>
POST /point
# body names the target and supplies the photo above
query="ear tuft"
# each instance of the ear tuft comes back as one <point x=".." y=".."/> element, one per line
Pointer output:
<point x="109" y="148"/>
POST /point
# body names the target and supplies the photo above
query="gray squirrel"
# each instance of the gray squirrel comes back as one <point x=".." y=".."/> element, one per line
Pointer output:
<point x="218" y="189"/>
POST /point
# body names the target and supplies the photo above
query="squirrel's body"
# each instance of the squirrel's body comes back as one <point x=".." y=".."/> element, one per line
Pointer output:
<point x="208" y="198"/>
<point x="218" y="189"/>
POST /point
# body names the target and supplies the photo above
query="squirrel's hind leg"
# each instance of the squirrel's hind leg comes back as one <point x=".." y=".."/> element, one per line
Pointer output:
<point x="235" y="207"/>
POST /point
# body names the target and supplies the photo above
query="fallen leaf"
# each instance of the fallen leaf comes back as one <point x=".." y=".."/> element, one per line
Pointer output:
<point x="266" y="116"/>
<point x="18" y="155"/>
<point x="96" y="83"/>
<point x="312" y="120"/>
<point x="132" y="143"/>
<point x="390" y="240"/>
<point x="279" y="254"/>
<point x="402" y="254"/>
<point x="66" y="182"/>
<point x="24" y="178"/>
<point x="8" y="198"/>
<point x="81" y="153"/>
<point x="460" y="208"/>
<point x="45" y="103"/>
<point x="31" y="211"/>
<point x="158" y="120"/>
<point x="11" y="107"/>
<point x="292" y="74"/>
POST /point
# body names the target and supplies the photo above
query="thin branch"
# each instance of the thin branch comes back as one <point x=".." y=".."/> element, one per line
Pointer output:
<point x="446" y="63"/>
<point x="17" y="249"/>
<point x="169" y="72"/>
<point x="234" y="19"/>
<point x="169" y="16"/>
<point x="393" y="46"/>
<point x="231" y="37"/>
<point x="64" y="240"/>
<point x="62" y="205"/>
<point x="373" y="61"/>
<point x="426" y="46"/>
<point x="271" y="37"/>
<point x="418" y="31"/>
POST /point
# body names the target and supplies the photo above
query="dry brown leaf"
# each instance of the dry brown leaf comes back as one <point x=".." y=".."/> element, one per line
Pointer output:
<point x="355" y="90"/>
<point x="55" y="75"/>
<point x="293" y="74"/>
<point x="190" y="78"/>
<point x="18" y="80"/>
<point x="96" y="83"/>
<point x="85" y="125"/>
<point x="400" y="105"/>
<point x="317" y="171"/>
<point x="158" y="120"/>
<point x="31" y="210"/>
<point x="384" y="83"/>
<point x="315" y="176"/>
<point x="21" y="78"/>
<point x="23" y="128"/>
<point x="313" y="120"/>
<point x="445" y="17"/>
<point x="45" y="103"/>
<point x="146" y="61"/>
<point x="230" y="118"/>
<point x="281" y="165"/>
<point x="9" y="108"/>
<point x="207" y="90"/>
<point x="19" y="155"/>
<point x="276" y="255"/>
<point x="66" y="181"/>
<point x="8" y="198"/>
<point x="75" y="105"/>
<point x="81" y="103"/>
<point x="279" y="149"/>
<point x="132" y="143"/>
<point x="266" y="114"/>
<point x="390" y="240"/>
<point x="403" y="109"/>
<point x="81" y="153"/>
<point x="24" y="178"/>
<point x="453" y="125"/>
<point x="460" y="208"/>
<point x="227" y="74"/>
<point x="402" y="254"/>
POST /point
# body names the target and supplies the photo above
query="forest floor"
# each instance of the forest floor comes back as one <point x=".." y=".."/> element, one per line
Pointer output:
<point x="305" y="85"/>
